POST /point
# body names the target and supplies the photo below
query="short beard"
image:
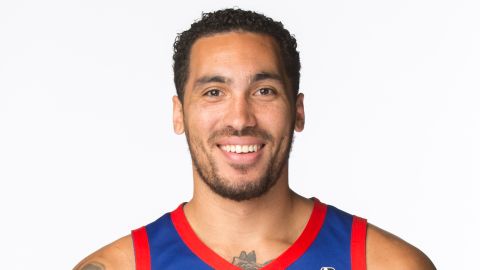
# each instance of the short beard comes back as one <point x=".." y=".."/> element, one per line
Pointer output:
<point x="243" y="191"/>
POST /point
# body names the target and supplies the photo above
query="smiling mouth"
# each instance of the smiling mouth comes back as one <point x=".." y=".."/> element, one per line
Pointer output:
<point x="241" y="149"/>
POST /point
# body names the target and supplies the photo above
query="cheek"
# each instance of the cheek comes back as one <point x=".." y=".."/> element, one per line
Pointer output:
<point x="275" y="118"/>
<point x="202" y="119"/>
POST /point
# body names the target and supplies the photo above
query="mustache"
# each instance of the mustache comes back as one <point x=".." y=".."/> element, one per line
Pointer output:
<point x="248" y="131"/>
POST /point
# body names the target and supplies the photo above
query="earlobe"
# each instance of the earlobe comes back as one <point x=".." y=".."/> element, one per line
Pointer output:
<point x="178" y="123"/>
<point x="299" y="113"/>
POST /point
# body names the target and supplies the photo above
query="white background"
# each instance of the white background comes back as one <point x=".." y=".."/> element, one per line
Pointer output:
<point x="87" y="150"/>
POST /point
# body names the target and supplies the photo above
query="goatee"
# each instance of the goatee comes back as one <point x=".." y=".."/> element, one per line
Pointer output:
<point x="207" y="169"/>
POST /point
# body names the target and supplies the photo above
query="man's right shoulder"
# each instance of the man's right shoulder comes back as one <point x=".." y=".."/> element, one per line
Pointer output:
<point x="118" y="255"/>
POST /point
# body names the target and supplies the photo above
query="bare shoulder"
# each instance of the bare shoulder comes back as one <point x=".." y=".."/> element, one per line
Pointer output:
<point x="118" y="255"/>
<point x="387" y="251"/>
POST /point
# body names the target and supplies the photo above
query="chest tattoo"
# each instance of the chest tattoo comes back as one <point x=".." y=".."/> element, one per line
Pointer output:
<point x="248" y="261"/>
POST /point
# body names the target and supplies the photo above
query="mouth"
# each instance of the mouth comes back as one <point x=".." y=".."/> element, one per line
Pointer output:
<point x="242" y="154"/>
<point x="241" y="149"/>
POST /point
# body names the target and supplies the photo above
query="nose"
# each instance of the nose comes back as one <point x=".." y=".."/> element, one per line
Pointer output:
<point x="240" y="114"/>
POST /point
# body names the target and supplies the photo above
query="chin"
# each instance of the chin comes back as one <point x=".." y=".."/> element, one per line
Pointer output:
<point x="243" y="187"/>
<point x="242" y="176"/>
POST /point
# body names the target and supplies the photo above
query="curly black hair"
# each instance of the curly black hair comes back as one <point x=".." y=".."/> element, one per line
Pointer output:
<point x="234" y="19"/>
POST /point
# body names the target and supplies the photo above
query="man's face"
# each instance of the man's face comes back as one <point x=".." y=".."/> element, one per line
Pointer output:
<point x="238" y="113"/>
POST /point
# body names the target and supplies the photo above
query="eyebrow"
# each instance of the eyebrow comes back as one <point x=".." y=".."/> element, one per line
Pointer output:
<point x="261" y="76"/>
<point x="211" y="79"/>
<point x="267" y="76"/>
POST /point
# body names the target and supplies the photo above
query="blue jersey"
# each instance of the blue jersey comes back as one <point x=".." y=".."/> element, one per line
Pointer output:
<point x="331" y="240"/>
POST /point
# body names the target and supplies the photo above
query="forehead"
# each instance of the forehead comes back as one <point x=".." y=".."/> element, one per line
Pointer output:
<point x="234" y="53"/>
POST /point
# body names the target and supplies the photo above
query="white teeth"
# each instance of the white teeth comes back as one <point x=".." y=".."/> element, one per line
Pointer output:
<point x="240" y="148"/>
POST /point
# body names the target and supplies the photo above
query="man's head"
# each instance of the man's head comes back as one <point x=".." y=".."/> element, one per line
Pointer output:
<point x="230" y="20"/>
<point x="237" y="103"/>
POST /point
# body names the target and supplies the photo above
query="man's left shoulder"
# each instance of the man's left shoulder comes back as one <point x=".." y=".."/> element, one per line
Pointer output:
<point x="387" y="251"/>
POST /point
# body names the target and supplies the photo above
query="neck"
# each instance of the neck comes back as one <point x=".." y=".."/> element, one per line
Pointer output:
<point x="278" y="215"/>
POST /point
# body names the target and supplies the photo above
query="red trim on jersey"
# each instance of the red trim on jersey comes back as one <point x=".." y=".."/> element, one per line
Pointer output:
<point x="195" y="244"/>
<point x="297" y="249"/>
<point x="304" y="241"/>
<point x="141" y="248"/>
<point x="358" y="244"/>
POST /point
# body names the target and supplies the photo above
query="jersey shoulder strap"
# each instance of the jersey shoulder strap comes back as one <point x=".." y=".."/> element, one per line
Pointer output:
<point x="141" y="248"/>
<point x="358" y="244"/>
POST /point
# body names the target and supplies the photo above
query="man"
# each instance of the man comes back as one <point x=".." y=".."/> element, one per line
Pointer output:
<point x="237" y="79"/>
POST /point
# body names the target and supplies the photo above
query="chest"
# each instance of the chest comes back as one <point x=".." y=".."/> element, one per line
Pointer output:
<point x="326" y="244"/>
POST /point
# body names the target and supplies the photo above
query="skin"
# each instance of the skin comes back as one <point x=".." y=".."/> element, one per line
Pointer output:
<point x="248" y="233"/>
<point x="117" y="255"/>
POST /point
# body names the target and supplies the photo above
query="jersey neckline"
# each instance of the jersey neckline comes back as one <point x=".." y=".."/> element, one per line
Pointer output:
<point x="289" y="256"/>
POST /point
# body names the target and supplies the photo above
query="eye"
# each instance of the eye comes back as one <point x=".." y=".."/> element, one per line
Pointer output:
<point x="265" y="91"/>
<point x="213" y="93"/>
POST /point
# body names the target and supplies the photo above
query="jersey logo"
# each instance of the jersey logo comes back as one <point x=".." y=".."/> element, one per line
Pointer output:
<point x="327" y="268"/>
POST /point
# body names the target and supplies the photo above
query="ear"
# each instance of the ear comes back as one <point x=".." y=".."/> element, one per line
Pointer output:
<point x="299" y="113"/>
<point x="178" y="123"/>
